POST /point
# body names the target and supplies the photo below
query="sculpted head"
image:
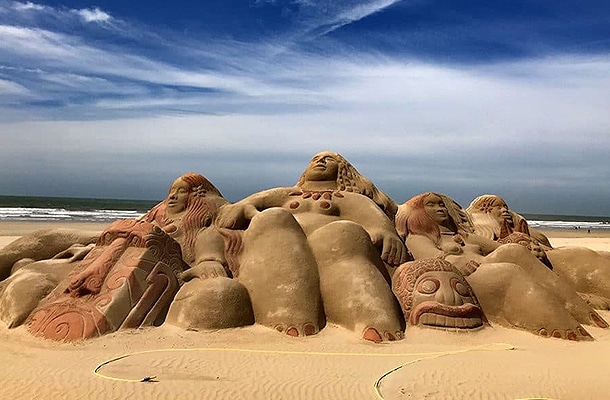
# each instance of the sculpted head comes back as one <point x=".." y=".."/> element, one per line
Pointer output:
<point x="186" y="195"/>
<point x="323" y="167"/>
<point x="425" y="213"/>
<point x="187" y="205"/>
<point x="493" y="219"/>
<point x="177" y="198"/>
<point x="493" y="205"/>
<point x="432" y="293"/>
<point x="328" y="166"/>
<point x="436" y="209"/>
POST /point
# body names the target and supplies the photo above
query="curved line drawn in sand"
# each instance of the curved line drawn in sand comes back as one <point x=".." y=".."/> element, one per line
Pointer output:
<point x="377" y="384"/>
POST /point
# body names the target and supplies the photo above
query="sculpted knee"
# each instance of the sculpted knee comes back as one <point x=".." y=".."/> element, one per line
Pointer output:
<point x="273" y="218"/>
<point x="340" y="239"/>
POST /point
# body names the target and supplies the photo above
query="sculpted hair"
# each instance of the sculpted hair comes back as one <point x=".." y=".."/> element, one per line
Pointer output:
<point x="486" y="225"/>
<point x="199" y="212"/>
<point x="412" y="219"/>
<point x="350" y="180"/>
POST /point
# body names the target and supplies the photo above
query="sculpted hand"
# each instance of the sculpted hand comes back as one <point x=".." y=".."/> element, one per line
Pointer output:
<point x="204" y="270"/>
<point x="465" y="268"/>
<point x="235" y="216"/>
<point x="393" y="250"/>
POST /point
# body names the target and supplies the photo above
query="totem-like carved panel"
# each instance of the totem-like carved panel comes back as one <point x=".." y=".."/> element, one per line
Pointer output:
<point x="127" y="281"/>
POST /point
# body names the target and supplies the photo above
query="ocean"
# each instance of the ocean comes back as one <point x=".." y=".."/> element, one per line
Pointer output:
<point x="21" y="208"/>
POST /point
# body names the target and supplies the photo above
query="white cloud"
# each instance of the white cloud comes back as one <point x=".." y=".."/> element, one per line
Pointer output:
<point x="93" y="15"/>
<point x="11" y="88"/>
<point x="28" y="6"/>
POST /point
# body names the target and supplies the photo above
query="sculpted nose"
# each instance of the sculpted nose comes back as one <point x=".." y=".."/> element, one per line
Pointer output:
<point x="446" y="295"/>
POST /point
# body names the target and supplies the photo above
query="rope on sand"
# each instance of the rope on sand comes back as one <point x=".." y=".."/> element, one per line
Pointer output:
<point x="423" y="356"/>
<point x="97" y="369"/>
<point x="430" y="356"/>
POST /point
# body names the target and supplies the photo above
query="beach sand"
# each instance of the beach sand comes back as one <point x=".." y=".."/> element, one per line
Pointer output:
<point x="259" y="363"/>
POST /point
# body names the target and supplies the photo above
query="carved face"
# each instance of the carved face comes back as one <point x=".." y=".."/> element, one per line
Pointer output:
<point x="177" y="198"/>
<point x="436" y="209"/>
<point x="443" y="299"/>
<point x="500" y="211"/>
<point x="322" y="167"/>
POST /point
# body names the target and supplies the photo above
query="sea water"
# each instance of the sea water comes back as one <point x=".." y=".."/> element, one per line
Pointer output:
<point x="20" y="208"/>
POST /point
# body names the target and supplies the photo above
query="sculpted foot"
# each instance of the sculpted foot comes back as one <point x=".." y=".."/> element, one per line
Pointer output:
<point x="373" y="335"/>
<point x="578" y="334"/>
<point x="598" y="320"/>
<point x="307" y="329"/>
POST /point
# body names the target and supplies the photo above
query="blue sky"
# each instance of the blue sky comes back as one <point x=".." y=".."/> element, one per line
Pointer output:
<point x="117" y="98"/>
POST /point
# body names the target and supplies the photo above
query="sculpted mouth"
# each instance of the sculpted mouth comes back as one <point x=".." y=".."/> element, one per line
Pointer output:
<point x="435" y="314"/>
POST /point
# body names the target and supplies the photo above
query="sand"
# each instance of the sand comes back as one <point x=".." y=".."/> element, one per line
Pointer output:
<point x="258" y="363"/>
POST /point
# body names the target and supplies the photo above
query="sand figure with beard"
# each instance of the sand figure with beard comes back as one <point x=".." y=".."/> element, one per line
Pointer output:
<point x="588" y="271"/>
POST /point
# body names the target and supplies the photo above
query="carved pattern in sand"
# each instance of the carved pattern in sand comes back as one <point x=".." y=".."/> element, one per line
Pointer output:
<point x="127" y="281"/>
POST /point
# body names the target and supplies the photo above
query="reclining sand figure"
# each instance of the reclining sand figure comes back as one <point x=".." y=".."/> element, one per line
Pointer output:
<point x="499" y="274"/>
<point x="586" y="270"/>
<point x="132" y="275"/>
<point x="43" y="244"/>
<point x="315" y="252"/>
<point x="190" y="206"/>
<point x="492" y="218"/>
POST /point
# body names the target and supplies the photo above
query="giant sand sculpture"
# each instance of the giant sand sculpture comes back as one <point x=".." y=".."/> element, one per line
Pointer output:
<point x="319" y="252"/>
<point x="325" y="251"/>
<point x="586" y="270"/>
<point x="130" y="277"/>
<point x="499" y="274"/>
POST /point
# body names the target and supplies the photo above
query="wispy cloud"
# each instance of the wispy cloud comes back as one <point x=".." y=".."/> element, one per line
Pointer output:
<point x="93" y="15"/>
<point x="11" y="88"/>
<point x="322" y="17"/>
<point x="29" y="6"/>
<point x="250" y="110"/>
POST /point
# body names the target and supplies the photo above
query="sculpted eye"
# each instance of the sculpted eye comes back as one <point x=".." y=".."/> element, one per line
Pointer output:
<point x="460" y="288"/>
<point x="428" y="286"/>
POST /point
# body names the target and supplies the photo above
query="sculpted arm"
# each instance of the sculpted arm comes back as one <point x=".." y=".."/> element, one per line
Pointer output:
<point x="487" y="245"/>
<point x="422" y="247"/>
<point x="210" y="261"/>
<point x="366" y="213"/>
<point x="238" y="215"/>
